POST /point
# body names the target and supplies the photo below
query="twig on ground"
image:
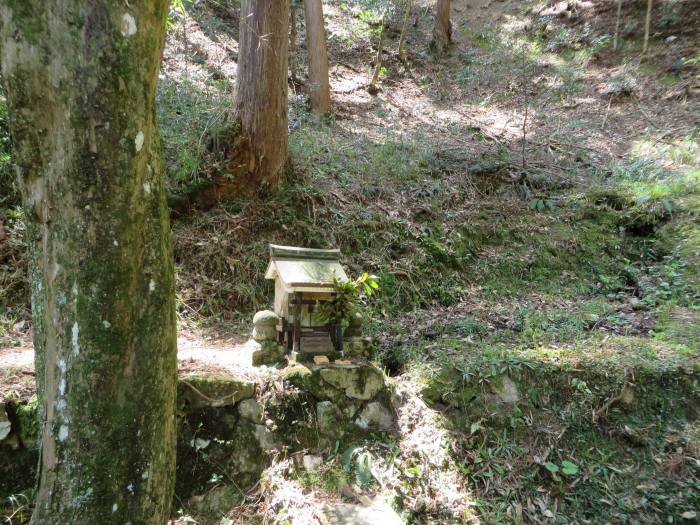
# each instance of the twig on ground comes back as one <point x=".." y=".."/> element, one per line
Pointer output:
<point x="607" y="112"/>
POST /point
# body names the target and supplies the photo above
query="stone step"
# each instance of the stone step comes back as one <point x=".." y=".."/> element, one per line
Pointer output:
<point x="376" y="513"/>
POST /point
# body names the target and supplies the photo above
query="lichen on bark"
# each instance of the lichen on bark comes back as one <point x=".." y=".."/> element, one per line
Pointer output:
<point x="80" y="84"/>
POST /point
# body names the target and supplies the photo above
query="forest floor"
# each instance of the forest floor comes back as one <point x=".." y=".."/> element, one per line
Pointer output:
<point x="530" y="203"/>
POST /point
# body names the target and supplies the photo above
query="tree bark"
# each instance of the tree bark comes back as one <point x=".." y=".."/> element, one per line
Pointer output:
<point x="647" y="27"/>
<point x="404" y="31"/>
<point x="80" y="79"/>
<point x="372" y="87"/>
<point x="442" y="35"/>
<point x="318" y="57"/>
<point x="616" y="38"/>
<point x="261" y="104"/>
<point x="293" y="41"/>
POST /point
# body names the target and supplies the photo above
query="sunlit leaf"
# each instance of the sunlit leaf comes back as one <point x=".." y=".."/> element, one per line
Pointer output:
<point x="569" y="468"/>
<point x="551" y="467"/>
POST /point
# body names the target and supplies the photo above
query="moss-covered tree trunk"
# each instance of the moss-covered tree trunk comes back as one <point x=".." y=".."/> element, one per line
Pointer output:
<point x="442" y="34"/>
<point x="319" y="87"/>
<point x="80" y="78"/>
<point x="261" y="104"/>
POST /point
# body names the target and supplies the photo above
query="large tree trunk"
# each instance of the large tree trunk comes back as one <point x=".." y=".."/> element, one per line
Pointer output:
<point x="318" y="57"/>
<point x="80" y="79"/>
<point x="443" y="28"/>
<point x="262" y="93"/>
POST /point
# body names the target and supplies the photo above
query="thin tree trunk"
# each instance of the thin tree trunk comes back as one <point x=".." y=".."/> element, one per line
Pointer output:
<point x="404" y="31"/>
<point x="616" y="39"/>
<point x="378" y="61"/>
<point x="443" y="28"/>
<point x="318" y="57"/>
<point x="80" y="79"/>
<point x="262" y="92"/>
<point x="647" y="27"/>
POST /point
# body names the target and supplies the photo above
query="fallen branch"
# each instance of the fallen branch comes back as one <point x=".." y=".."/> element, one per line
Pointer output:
<point x="626" y="391"/>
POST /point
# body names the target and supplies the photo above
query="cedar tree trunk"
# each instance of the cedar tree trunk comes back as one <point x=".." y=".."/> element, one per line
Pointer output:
<point x="443" y="28"/>
<point x="80" y="78"/>
<point x="262" y="92"/>
<point x="318" y="57"/>
<point x="293" y="41"/>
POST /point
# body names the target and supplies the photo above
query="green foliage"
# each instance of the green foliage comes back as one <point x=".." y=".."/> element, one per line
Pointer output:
<point x="358" y="461"/>
<point x="348" y="299"/>
<point x="176" y="14"/>
<point x="187" y="114"/>
<point x="28" y="418"/>
<point x="567" y="467"/>
<point x="467" y="74"/>
<point x="541" y="205"/>
<point x="14" y="293"/>
<point x="693" y="60"/>
<point x="560" y="387"/>
<point x="17" y="509"/>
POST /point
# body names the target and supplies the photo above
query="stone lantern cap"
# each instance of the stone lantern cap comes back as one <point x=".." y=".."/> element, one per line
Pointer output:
<point x="304" y="269"/>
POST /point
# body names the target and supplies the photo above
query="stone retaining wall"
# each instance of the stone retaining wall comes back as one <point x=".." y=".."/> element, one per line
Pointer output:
<point x="231" y="428"/>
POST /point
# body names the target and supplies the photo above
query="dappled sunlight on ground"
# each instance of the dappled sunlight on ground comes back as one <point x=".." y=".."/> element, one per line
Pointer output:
<point x="529" y="202"/>
<point x="197" y="353"/>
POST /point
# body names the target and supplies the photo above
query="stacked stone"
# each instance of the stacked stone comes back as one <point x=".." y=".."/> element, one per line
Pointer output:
<point x="268" y="351"/>
<point x="354" y="345"/>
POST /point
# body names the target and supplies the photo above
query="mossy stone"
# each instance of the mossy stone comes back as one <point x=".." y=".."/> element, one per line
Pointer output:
<point x="339" y="384"/>
<point x="251" y="410"/>
<point x="505" y="389"/>
<point x="265" y="318"/>
<point x="310" y="381"/>
<point x="247" y="456"/>
<point x="328" y="417"/>
<point x="448" y="386"/>
<point x="375" y="416"/>
<point x="268" y="353"/>
<point x="265" y="326"/>
<point x="28" y="419"/>
<point x="216" y="502"/>
<point x="358" y="381"/>
<point x="201" y="391"/>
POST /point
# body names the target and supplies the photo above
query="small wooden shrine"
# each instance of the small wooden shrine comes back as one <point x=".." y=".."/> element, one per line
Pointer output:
<point x="304" y="278"/>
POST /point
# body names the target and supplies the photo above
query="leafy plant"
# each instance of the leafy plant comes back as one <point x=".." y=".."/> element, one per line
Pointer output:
<point x="541" y="205"/>
<point x="358" y="460"/>
<point x="567" y="468"/>
<point x="348" y="299"/>
<point x="177" y="13"/>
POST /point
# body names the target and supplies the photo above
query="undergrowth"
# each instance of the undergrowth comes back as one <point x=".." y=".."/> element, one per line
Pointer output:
<point x="390" y="209"/>
<point x="578" y="281"/>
